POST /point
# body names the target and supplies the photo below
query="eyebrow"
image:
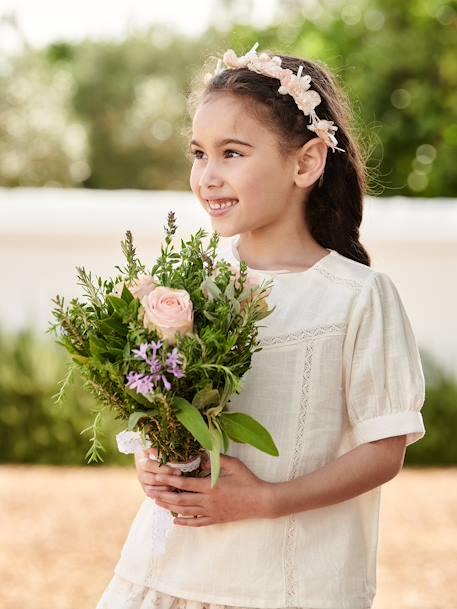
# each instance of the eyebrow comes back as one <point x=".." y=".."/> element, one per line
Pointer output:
<point x="229" y="140"/>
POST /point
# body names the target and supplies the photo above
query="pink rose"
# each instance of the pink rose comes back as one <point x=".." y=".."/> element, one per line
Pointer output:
<point x="139" y="287"/>
<point x="168" y="311"/>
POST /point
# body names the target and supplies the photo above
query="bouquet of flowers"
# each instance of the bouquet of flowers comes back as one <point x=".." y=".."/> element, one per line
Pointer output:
<point x="166" y="348"/>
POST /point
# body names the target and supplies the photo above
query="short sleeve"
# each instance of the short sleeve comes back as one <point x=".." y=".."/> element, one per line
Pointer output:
<point x="383" y="377"/>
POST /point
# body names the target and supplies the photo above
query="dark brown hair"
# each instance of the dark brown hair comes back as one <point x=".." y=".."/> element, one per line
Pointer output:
<point x="334" y="209"/>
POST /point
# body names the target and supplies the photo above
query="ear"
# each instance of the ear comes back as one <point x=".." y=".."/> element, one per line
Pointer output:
<point x="310" y="162"/>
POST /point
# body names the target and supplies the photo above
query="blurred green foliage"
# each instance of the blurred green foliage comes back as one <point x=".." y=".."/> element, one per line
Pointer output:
<point x="33" y="429"/>
<point x="111" y="114"/>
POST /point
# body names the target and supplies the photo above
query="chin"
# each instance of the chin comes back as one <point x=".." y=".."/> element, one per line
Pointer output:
<point x="223" y="232"/>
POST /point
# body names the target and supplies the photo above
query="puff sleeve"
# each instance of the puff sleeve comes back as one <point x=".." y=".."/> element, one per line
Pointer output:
<point x="383" y="378"/>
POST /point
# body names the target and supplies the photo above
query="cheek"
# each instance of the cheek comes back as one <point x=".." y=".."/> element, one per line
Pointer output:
<point x="194" y="178"/>
<point x="259" y="177"/>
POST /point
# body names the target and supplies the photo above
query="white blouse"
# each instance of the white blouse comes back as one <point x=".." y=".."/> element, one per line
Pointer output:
<point x="339" y="367"/>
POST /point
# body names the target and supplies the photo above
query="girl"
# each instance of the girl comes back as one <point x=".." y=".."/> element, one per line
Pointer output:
<point x="338" y="383"/>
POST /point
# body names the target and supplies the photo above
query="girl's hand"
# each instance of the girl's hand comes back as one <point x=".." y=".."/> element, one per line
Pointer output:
<point x="238" y="494"/>
<point x="147" y="469"/>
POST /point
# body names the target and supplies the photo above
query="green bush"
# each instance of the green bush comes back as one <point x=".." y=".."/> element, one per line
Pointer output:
<point x="33" y="429"/>
<point x="438" y="447"/>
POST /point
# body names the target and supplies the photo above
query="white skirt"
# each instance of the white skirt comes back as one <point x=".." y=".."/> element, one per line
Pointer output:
<point x="123" y="594"/>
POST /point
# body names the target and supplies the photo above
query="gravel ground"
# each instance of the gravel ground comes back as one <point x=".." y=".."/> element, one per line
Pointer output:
<point x="60" y="540"/>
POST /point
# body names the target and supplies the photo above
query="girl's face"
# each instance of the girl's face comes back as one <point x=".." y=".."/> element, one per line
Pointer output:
<point x="250" y="173"/>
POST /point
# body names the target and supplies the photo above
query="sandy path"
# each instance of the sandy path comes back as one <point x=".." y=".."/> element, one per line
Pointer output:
<point x="60" y="542"/>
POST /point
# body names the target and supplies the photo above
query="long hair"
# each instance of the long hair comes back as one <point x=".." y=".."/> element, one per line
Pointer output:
<point x="333" y="210"/>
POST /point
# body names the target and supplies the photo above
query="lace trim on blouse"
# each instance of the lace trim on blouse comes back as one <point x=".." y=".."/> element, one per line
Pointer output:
<point x="303" y="334"/>
<point x="291" y="538"/>
<point x="337" y="280"/>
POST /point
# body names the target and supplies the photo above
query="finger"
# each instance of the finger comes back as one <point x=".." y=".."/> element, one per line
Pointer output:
<point x="151" y="480"/>
<point x="180" y="498"/>
<point x="182" y="511"/>
<point x="199" y="485"/>
<point x="154" y="467"/>
<point x="147" y="478"/>
<point x="151" y="489"/>
<point x="194" y="522"/>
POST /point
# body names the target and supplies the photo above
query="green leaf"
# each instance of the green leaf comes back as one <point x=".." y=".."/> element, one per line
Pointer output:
<point x="230" y="291"/>
<point x="119" y="305"/>
<point x="236" y="305"/>
<point x="244" y="429"/>
<point x="134" y="306"/>
<point x="140" y="398"/>
<point x="126" y="295"/>
<point x="225" y="439"/>
<point x="260" y="316"/>
<point x="79" y="359"/>
<point x="205" y="397"/>
<point x="97" y="347"/>
<point x="117" y="353"/>
<point x="113" y="324"/>
<point x="135" y="417"/>
<point x="209" y="316"/>
<point x="245" y="294"/>
<point x="193" y="421"/>
<point x="210" y="285"/>
<point x="215" y="454"/>
<point x="67" y="345"/>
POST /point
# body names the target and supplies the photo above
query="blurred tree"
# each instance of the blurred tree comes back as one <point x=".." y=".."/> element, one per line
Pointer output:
<point x="41" y="140"/>
<point x="395" y="60"/>
<point x="132" y="97"/>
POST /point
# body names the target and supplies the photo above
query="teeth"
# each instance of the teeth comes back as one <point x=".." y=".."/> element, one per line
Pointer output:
<point x="222" y="205"/>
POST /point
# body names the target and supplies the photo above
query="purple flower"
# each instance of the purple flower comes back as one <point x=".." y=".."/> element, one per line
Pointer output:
<point x="142" y="383"/>
<point x="173" y="364"/>
<point x="178" y="373"/>
<point x="132" y="378"/>
<point x="146" y="385"/>
<point x="166" y="383"/>
<point x="155" y="347"/>
<point x="141" y="353"/>
<point x="173" y="359"/>
<point x="156" y="366"/>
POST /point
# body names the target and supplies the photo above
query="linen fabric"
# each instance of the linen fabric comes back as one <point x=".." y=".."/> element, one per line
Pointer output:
<point x="339" y="367"/>
<point x="122" y="594"/>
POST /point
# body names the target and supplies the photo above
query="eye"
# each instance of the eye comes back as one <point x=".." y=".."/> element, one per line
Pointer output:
<point x="234" y="152"/>
<point x="196" y="153"/>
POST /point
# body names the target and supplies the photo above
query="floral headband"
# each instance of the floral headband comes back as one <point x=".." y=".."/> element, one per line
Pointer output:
<point x="295" y="85"/>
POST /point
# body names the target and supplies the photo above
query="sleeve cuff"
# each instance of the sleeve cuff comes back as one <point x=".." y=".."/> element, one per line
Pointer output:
<point x="409" y="423"/>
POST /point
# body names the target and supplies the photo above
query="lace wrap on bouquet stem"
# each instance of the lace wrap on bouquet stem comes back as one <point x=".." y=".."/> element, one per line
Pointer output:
<point x="162" y="520"/>
<point x="130" y="442"/>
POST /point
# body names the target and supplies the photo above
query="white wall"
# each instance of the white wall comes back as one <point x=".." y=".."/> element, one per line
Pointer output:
<point x="46" y="233"/>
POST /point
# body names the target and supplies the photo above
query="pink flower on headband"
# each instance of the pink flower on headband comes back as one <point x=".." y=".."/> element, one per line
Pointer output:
<point x="295" y="85"/>
<point x="325" y="129"/>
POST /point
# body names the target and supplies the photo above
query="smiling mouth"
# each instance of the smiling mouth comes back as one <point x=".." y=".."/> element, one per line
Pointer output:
<point x="216" y="205"/>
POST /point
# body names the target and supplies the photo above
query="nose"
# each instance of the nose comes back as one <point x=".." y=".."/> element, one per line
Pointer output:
<point x="210" y="177"/>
